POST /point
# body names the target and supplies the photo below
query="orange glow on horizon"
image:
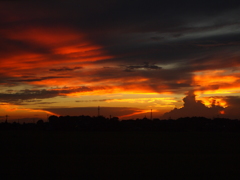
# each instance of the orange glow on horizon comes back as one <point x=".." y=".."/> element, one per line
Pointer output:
<point x="140" y="111"/>
<point x="7" y="107"/>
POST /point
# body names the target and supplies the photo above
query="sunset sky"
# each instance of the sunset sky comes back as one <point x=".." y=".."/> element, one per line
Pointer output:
<point x="181" y="58"/>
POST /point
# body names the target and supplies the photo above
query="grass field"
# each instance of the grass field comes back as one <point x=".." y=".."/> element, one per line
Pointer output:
<point x="117" y="155"/>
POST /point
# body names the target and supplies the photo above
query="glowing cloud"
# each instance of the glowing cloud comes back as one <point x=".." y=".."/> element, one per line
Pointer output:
<point x="217" y="82"/>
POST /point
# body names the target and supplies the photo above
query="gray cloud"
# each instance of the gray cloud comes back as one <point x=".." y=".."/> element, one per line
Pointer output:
<point x="232" y="111"/>
<point x="32" y="79"/>
<point x="7" y="46"/>
<point x="146" y="66"/>
<point x="26" y="95"/>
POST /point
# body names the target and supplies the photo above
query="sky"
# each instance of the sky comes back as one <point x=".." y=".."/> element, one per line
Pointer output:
<point x="174" y="58"/>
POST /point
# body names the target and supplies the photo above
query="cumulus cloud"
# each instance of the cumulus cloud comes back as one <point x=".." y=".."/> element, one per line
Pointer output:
<point x="194" y="108"/>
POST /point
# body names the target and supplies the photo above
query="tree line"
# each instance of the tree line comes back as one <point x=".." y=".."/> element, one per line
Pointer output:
<point x="101" y="123"/>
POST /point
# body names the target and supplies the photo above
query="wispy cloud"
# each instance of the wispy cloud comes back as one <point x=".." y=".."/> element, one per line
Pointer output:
<point x="65" y="69"/>
<point x="146" y="66"/>
<point x="26" y="95"/>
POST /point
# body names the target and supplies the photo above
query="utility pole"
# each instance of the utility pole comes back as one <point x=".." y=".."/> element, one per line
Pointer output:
<point x="6" y="118"/>
<point x="98" y="111"/>
<point x="151" y="114"/>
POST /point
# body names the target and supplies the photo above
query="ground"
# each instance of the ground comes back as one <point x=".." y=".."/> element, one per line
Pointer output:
<point x="117" y="155"/>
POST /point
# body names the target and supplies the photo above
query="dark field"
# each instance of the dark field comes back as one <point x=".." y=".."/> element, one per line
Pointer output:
<point x="119" y="155"/>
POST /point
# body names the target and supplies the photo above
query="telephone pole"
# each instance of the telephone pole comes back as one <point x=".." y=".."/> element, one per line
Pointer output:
<point x="98" y="111"/>
<point x="6" y="118"/>
<point x="151" y="114"/>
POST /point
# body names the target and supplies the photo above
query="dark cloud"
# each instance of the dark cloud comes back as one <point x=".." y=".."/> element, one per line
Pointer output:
<point x="157" y="79"/>
<point x="232" y="111"/>
<point x="8" y="46"/>
<point x="25" y="95"/>
<point x="31" y="79"/>
<point x="31" y="102"/>
<point x="146" y="66"/>
<point x="233" y="100"/>
<point x="5" y="80"/>
<point x="65" y="69"/>
<point x="129" y="30"/>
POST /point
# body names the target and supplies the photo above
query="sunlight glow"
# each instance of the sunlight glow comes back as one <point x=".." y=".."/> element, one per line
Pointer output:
<point x="209" y="101"/>
<point x="10" y="108"/>
<point x="142" y="111"/>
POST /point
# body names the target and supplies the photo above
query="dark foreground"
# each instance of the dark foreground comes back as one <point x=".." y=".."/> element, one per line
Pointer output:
<point x="119" y="155"/>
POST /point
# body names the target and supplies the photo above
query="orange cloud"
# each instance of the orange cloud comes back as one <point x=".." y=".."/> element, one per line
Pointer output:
<point x="210" y="101"/>
<point x="46" y="35"/>
<point x="60" y="40"/>
<point x="46" y="48"/>
<point x="216" y="82"/>
<point x="127" y="89"/>
<point x="158" y="102"/>
<point x="212" y="77"/>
